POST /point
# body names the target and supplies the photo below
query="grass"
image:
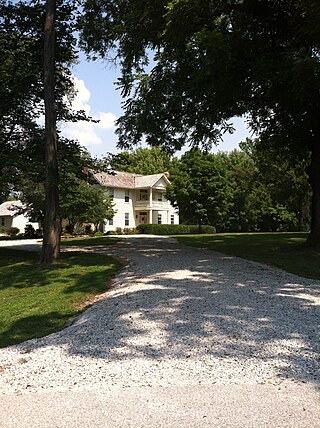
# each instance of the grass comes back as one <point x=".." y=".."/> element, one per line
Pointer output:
<point x="89" y="241"/>
<point x="36" y="301"/>
<point x="287" y="251"/>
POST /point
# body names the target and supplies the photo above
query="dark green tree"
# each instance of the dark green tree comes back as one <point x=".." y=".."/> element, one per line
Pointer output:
<point x="200" y="190"/>
<point x="37" y="49"/>
<point x="212" y="61"/>
<point x="140" y="161"/>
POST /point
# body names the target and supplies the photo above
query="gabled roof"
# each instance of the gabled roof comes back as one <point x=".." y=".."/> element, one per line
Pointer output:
<point x="121" y="179"/>
<point x="10" y="208"/>
<point x="127" y="180"/>
<point x="149" y="180"/>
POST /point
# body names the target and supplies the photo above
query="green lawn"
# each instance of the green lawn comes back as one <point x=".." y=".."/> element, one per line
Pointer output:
<point x="285" y="250"/>
<point x="36" y="301"/>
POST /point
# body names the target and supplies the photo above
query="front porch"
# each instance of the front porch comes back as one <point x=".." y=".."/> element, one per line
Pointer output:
<point x="152" y="216"/>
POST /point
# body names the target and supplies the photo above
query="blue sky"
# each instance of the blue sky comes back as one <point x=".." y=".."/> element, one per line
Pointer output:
<point x="98" y="96"/>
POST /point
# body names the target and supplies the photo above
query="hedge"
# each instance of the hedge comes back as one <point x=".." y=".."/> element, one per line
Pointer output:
<point x="174" y="229"/>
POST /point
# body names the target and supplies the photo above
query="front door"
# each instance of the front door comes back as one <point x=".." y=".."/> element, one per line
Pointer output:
<point x="143" y="218"/>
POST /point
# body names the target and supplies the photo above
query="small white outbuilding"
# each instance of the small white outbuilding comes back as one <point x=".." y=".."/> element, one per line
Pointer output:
<point x="11" y="216"/>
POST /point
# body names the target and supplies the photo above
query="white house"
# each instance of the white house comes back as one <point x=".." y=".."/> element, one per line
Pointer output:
<point x="10" y="216"/>
<point x="137" y="199"/>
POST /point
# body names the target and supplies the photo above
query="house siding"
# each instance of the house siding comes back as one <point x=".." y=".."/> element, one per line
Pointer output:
<point x="146" y="201"/>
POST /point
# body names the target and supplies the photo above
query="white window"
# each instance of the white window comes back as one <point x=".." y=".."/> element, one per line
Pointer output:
<point x="159" y="218"/>
<point x="126" y="196"/>
<point x="143" y="195"/>
<point x="172" y="219"/>
<point x="126" y="219"/>
<point x="111" y="222"/>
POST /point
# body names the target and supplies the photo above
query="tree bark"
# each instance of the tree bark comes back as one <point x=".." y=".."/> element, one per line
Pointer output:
<point x="51" y="233"/>
<point x="314" y="177"/>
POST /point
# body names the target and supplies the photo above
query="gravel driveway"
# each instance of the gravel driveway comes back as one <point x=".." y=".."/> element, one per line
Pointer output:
<point x="178" y="315"/>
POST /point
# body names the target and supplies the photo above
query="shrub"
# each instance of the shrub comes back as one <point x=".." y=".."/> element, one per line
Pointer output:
<point x="98" y="233"/>
<point x="204" y="229"/>
<point x="119" y="231"/>
<point x="111" y="232"/>
<point x="129" y="231"/>
<point x="12" y="231"/>
<point x="69" y="229"/>
<point x="88" y="230"/>
<point x="174" y="229"/>
<point x="29" y="231"/>
<point x="79" y="230"/>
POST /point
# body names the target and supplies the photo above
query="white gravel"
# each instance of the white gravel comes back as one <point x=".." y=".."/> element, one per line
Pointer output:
<point x="178" y="316"/>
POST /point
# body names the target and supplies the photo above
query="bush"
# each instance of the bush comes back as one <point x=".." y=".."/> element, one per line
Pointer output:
<point x="111" y="232"/>
<point x="98" y="233"/>
<point x="29" y="231"/>
<point x="174" y="229"/>
<point x="12" y="231"/>
<point x="79" y="230"/>
<point x="129" y="231"/>
<point x="88" y="230"/>
<point x="203" y="229"/>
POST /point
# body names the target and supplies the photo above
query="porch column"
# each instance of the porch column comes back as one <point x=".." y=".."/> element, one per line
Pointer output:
<point x="150" y="203"/>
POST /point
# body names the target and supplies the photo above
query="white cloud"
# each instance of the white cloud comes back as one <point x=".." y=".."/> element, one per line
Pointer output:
<point x="82" y="131"/>
<point x="107" y="120"/>
<point x="82" y="98"/>
<point x="88" y="133"/>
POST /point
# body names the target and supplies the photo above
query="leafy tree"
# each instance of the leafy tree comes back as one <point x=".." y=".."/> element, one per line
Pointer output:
<point x="239" y="191"/>
<point x="212" y="61"/>
<point x="31" y="40"/>
<point x="284" y="175"/>
<point x="79" y="202"/>
<point x="84" y="203"/>
<point x="140" y="161"/>
<point x="200" y="190"/>
<point x="51" y="226"/>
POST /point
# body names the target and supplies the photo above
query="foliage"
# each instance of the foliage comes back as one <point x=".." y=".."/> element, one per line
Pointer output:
<point x="284" y="176"/>
<point x="200" y="189"/>
<point x="22" y="89"/>
<point x="287" y="251"/>
<point x="238" y="191"/>
<point x="43" y="299"/>
<point x="12" y="231"/>
<point x="84" y="203"/>
<point x="30" y="232"/>
<point x="174" y="229"/>
<point x="140" y="161"/>
<point x="212" y="61"/>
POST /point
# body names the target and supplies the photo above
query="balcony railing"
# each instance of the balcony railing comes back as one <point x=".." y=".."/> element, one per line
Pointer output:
<point x="154" y="205"/>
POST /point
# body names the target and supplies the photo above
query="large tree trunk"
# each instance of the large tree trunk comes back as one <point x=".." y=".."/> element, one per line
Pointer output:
<point x="314" y="177"/>
<point x="51" y="233"/>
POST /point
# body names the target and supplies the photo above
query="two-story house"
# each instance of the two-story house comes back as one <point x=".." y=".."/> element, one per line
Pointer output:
<point x="137" y="199"/>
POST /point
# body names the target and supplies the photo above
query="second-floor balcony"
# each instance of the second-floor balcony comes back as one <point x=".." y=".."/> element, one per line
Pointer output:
<point x="152" y="205"/>
<point x="149" y="199"/>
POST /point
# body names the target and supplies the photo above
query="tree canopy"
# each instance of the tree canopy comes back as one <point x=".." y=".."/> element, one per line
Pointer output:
<point x="140" y="161"/>
<point x="212" y="61"/>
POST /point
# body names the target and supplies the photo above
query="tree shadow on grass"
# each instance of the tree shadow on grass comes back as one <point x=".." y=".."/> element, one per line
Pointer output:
<point x="31" y="326"/>
<point x="178" y="302"/>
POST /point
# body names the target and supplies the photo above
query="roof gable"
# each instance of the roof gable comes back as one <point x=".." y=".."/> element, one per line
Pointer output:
<point x="10" y="208"/>
<point x="126" y="180"/>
